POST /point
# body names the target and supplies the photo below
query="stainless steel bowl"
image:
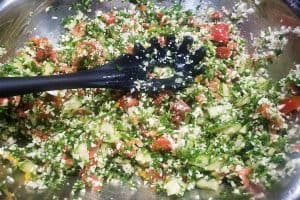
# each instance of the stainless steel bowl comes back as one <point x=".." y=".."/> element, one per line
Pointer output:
<point x="22" y="19"/>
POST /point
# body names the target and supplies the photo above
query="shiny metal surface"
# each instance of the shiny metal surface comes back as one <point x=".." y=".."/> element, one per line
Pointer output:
<point x="22" y="19"/>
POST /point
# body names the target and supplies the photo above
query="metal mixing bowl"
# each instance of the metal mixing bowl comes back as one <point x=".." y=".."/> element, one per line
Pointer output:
<point x="22" y="19"/>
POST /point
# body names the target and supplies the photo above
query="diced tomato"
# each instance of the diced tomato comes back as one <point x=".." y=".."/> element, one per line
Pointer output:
<point x="109" y="18"/>
<point x="79" y="29"/>
<point x="151" y="175"/>
<point x="21" y="113"/>
<point x="220" y="33"/>
<point x="93" y="152"/>
<point x="180" y="106"/>
<point x="146" y="25"/>
<point x="160" y="14"/>
<point x="67" y="160"/>
<point x="161" y="144"/>
<point x="178" y="118"/>
<point x="223" y="52"/>
<point x="45" y="53"/>
<point x="56" y="101"/>
<point x="142" y="8"/>
<point x="162" y="18"/>
<point x="200" y="98"/>
<point x="161" y="41"/>
<point x="129" y="49"/>
<point x="130" y="153"/>
<point x="244" y="176"/>
<point x="127" y="101"/>
<point x="232" y="45"/>
<point x="147" y="133"/>
<point x="96" y="183"/>
<point x="119" y="147"/>
<point x="52" y="56"/>
<point x="43" y="49"/>
<point x="87" y="45"/>
<point x="40" y="134"/>
<point x="40" y="55"/>
<point x="216" y="15"/>
<point x="275" y="121"/>
<point x="4" y="101"/>
<point x="255" y="189"/>
<point x="294" y="88"/>
<point x="15" y="101"/>
<point x="179" y="109"/>
<point x="157" y="100"/>
<point x="290" y="104"/>
<point x="92" y="182"/>
<point x="263" y="109"/>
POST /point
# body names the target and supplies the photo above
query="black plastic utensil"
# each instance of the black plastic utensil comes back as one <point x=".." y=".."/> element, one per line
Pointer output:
<point x="294" y="5"/>
<point x="127" y="72"/>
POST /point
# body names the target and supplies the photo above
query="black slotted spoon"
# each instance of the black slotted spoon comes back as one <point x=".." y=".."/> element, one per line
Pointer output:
<point x="127" y="72"/>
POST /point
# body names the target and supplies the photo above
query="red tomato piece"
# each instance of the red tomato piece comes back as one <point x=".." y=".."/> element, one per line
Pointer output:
<point x="255" y="188"/>
<point x="79" y="29"/>
<point x="162" y="41"/>
<point x="263" y="109"/>
<point x="244" y="176"/>
<point x="151" y="175"/>
<point x="67" y="160"/>
<point x="142" y="8"/>
<point x="161" y="144"/>
<point x="40" y="55"/>
<point x="290" y="104"/>
<point x="223" y="52"/>
<point x="180" y="107"/>
<point x="220" y="33"/>
<point x="40" y="134"/>
<point x="216" y="15"/>
<point x="251" y="187"/>
<point x="4" y="101"/>
<point x="200" y="99"/>
<point x="160" y="98"/>
<point x="109" y="18"/>
<point x="127" y="102"/>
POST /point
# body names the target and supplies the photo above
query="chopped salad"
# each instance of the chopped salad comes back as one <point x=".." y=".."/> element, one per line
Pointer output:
<point x="227" y="131"/>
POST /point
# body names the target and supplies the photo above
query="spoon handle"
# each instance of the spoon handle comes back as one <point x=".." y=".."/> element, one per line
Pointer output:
<point x="295" y="5"/>
<point x="12" y="86"/>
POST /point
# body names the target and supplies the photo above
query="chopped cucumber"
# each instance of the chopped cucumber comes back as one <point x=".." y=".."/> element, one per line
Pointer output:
<point x="200" y="161"/>
<point x="217" y="110"/>
<point x="72" y="104"/>
<point x="225" y="90"/>
<point x="211" y="184"/>
<point x="27" y="166"/>
<point x="48" y="68"/>
<point x="243" y="101"/>
<point x="228" y="128"/>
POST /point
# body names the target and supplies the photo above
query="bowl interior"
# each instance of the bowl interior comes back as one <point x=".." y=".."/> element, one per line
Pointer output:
<point x="22" y="19"/>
